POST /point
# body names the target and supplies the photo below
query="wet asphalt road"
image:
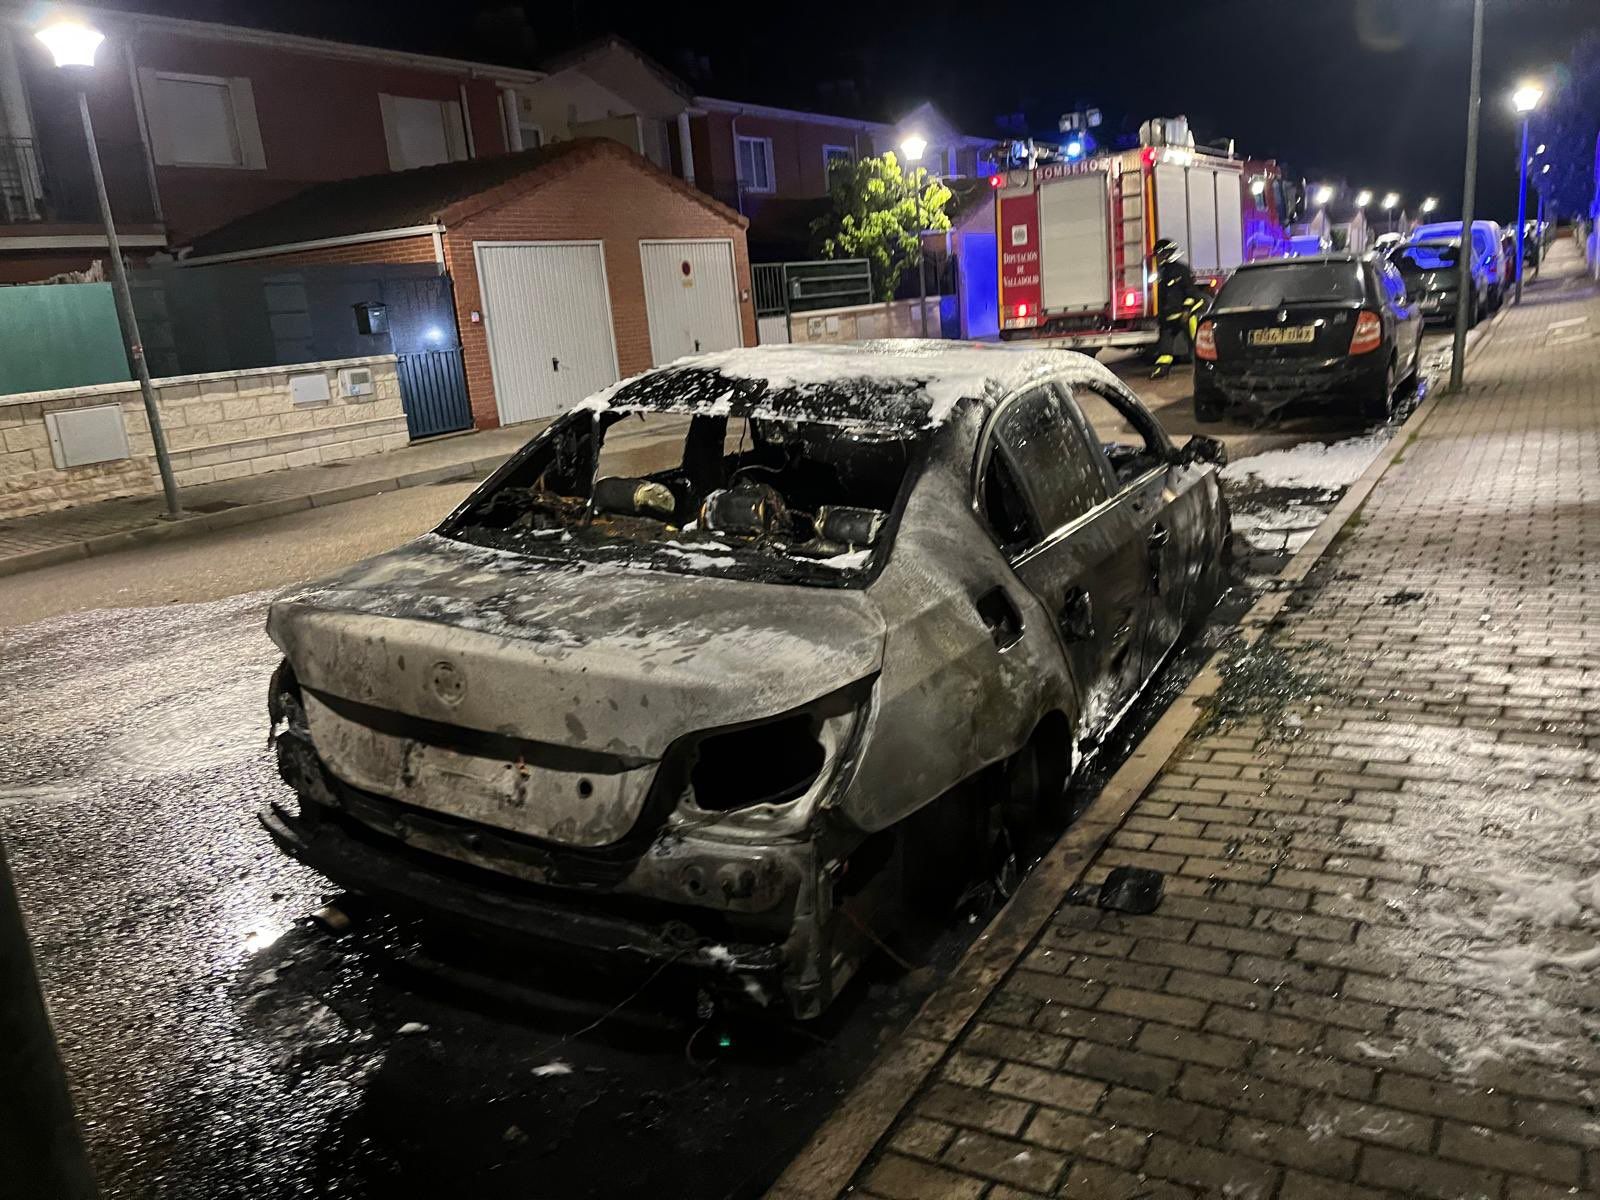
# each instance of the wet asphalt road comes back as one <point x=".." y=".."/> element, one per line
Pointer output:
<point x="221" y="1043"/>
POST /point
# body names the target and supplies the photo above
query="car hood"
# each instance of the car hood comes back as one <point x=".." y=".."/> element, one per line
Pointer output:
<point x="613" y="659"/>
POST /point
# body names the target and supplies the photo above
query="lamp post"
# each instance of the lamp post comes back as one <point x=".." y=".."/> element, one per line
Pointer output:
<point x="72" y="44"/>
<point x="1431" y="203"/>
<point x="1390" y="200"/>
<point x="912" y="147"/>
<point x="1469" y="189"/>
<point x="1525" y="99"/>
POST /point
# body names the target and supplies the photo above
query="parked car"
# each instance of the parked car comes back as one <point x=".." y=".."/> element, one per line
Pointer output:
<point x="1303" y="244"/>
<point x="1495" y="262"/>
<point x="1338" y="329"/>
<point x="1432" y="274"/>
<point x="734" y="712"/>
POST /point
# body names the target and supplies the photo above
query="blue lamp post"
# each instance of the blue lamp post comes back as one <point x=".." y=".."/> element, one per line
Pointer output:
<point x="1525" y="99"/>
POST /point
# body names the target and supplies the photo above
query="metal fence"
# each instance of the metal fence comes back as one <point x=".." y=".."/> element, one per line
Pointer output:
<point x="21" y="181"/>
<point x="231" y="317"/>
<point x="784" y="288"/>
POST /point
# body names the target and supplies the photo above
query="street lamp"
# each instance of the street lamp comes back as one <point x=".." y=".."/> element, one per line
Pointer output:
<point x="1469" y="188"/>
<point x="1431" y="203"/>
<point x="72" y="44"/>
<point x="1525" y="99"/>
<point x="912" y="147"/>
<point x="1390" y="199"/>
<point x="1363" y="198"/>
<point x="1324" y="196"/>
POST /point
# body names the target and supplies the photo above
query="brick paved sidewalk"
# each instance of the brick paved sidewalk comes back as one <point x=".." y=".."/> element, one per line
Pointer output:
<point x="1375" y="969"/>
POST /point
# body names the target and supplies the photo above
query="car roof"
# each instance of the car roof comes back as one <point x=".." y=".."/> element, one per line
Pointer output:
<point x="1335" y="256"/>
<point x="897" y="385"/>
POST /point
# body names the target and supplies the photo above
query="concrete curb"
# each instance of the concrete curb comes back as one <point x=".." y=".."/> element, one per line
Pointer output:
<point x="245" y="514"/>
<point x="833" y="1155"/>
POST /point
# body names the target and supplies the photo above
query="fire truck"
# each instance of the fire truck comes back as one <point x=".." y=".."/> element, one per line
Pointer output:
<point x="1075" y="238"/>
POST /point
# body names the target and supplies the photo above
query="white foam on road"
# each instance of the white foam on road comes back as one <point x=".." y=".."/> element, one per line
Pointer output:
<point x="1311" y="464"/>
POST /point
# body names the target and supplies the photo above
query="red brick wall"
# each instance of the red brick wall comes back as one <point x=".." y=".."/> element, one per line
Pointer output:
<point x="319" y="119"/>
<point x="33" y="266"/>
<point x="797" y="164"/>
<point x="609" y="198"/>
<point x="396" y="250"/>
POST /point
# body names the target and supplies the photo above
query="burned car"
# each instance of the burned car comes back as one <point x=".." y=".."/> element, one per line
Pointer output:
<point x="731" y="664"/>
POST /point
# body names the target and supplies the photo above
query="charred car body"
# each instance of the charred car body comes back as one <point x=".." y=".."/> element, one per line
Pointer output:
<point x="733" y="711"/>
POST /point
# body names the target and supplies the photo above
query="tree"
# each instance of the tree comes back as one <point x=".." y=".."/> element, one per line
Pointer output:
<point x="876" y="212"/>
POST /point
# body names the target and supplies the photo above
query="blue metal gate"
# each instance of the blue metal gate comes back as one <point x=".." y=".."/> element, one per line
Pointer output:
<point x="433" y="389"/>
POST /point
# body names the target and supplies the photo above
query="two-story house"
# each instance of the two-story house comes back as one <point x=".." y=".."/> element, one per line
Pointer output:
<point x="769" y="163"/>
<point x="200" y="123"/>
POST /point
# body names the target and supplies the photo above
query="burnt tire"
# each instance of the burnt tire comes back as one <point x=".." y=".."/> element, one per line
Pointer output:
<point x="944" y="846"/>
<point x="1034" y="779"/>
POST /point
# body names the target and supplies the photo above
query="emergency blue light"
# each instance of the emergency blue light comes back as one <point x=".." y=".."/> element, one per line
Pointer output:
<point x="1074" y="149"/>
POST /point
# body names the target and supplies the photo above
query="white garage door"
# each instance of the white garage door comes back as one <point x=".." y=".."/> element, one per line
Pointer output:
<point x="690" y="296"/>
<point x="548" y="319"/>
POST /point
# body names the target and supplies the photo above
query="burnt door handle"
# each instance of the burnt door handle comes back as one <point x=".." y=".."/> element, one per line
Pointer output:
<point x="1159" y="537"/>
<point x="555" y="364"/>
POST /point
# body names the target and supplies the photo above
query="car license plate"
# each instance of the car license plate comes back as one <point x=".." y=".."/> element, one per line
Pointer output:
<point x="1289" y="335"/>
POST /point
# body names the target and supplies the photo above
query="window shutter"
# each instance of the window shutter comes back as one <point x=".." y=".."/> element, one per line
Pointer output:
<point x="455" y="131"/>
<point x="251" y="152"/>
<point x="156" y="117"/>
<point x="391" y="132"/>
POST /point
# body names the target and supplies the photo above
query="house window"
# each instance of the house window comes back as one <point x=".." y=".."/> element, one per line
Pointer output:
<point x="836" y="154"/>
<point x="201" y="120"/>
<point x="422" y="132"/>
<point x="532" y="135"/>
<point x="755" y="164"/>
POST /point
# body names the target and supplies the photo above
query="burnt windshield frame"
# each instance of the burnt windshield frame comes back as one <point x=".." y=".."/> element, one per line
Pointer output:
<point x="759" y="561"/>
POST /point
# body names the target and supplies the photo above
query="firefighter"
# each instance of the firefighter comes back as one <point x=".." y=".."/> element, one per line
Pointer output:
<point x="1181" y="300"/>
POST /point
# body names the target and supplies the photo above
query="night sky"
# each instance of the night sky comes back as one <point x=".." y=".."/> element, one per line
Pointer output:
<point x="1372" y="91"/>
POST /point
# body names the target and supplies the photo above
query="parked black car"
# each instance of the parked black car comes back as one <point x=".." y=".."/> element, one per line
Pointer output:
<point x="1338" y="328"/>
<point x="1432" y="273"/>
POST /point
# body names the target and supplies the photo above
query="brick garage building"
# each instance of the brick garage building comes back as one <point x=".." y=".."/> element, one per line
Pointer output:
<point x="573" y="265"/>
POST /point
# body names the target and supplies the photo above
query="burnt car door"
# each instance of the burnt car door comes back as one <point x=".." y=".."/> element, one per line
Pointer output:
<point x="1171" y="507"/>
<point x="1045" y="492"/>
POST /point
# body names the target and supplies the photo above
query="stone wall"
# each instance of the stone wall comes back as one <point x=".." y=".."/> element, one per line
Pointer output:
<point x="219" y="426"/>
